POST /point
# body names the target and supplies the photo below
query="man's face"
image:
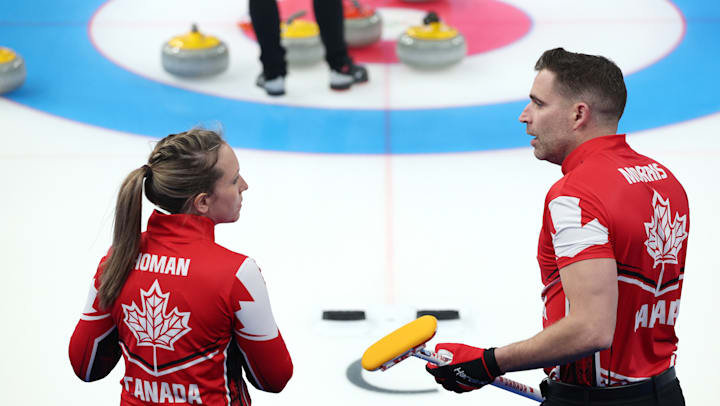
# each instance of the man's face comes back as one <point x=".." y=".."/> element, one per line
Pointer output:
<point x="549" y="118"/>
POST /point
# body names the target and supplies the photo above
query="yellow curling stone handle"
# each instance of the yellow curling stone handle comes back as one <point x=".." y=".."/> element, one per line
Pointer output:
<point x="194" y="40"/>
<point x="6" y="55"/>
<point x="299" y="29"/>
<point x="433" y="31"/>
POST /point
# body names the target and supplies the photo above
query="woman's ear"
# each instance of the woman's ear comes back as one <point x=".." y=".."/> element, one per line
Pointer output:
<point x="200" y="204"/>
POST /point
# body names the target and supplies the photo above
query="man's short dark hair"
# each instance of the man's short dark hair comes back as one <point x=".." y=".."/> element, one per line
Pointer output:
<point x="595" y="78"/>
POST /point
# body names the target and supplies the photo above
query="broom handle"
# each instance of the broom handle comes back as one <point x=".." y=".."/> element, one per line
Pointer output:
<point x="500" y="382"/>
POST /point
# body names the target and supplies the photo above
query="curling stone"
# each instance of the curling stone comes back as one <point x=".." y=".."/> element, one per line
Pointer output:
<point x="301" y="40"/>
<point x="363" y="26"/>
<point x="12" y="70"/>
<point x="195" y="54"/>
<point x="431" y="45"/>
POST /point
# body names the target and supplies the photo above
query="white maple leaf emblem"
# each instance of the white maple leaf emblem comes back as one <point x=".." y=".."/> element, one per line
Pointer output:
<point x="152" y="326"/>
<point x="665" y="237"/>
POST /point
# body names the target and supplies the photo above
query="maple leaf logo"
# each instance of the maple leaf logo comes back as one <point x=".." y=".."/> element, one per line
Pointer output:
<point x="152" y="326"/>
<point x="665" y="237"/>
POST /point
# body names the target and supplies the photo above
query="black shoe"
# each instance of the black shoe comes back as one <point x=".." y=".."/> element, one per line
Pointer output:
<point x="273" y="87"/>
<point x="347" y="76"/>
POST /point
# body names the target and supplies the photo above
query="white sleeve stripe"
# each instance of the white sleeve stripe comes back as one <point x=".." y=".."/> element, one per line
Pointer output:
<point x="92" y="294"/>
<point x="225" y="374"/>
<point x="571" y="237"/>
<point x="255" y="315"/>
<point x="89" y="309"/>
<point x="91" y="318"/>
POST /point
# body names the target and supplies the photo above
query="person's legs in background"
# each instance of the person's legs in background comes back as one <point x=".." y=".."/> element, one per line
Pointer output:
<point x="265" y="18"/>
<point x="343" y="72"/>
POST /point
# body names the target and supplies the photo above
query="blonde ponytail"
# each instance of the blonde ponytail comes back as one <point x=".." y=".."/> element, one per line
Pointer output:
<point x="126" y="238"/>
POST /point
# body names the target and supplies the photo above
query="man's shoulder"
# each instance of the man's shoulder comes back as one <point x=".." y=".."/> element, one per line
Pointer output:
<point x="586" y="180"/>
<point x="610" y="171"/>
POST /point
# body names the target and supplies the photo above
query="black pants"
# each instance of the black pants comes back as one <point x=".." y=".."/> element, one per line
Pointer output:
<point x="661" y="390"/>
<point x="266" y="23"/>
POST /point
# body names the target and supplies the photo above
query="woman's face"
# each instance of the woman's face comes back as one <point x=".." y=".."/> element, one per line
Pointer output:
<point x="226" y="198"/>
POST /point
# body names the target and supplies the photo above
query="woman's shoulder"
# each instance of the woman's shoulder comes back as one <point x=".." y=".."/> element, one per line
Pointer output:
<point x="220" y="254"/>
<point x="222" y="250"/>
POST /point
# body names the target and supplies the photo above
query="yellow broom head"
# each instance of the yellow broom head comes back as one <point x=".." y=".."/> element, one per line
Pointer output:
<point x="400" y="341"/>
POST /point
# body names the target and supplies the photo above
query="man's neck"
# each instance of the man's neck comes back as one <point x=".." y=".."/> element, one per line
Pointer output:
<point x="586" y="134"/>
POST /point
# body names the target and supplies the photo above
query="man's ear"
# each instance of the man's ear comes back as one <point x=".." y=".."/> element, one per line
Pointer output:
<point x="200" y="204"/>
<point x="581" y="115"/>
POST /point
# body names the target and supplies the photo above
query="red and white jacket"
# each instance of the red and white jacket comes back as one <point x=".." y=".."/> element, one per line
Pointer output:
<point x="615" y="203"/>
<point x="190" y="318"/>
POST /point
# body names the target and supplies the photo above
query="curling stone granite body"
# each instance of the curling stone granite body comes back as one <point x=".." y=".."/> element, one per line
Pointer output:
<point x="301" y="40"/>
<point x="362" y="27"/>
<point x="431" y="46"/>
<point x="12" y="70"/>
<point x="195" y="55"/>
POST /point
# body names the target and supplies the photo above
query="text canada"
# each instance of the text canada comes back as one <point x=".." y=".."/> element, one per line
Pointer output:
<point x="162" y="392"/>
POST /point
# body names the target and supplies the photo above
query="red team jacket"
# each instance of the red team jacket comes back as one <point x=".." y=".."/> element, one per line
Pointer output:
<point x="615" y="203"/>
<point x="190" y="317"/>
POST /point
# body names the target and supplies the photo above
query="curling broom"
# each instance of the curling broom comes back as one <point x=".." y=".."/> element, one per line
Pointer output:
<point x="409" y="340"/>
